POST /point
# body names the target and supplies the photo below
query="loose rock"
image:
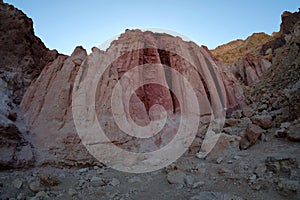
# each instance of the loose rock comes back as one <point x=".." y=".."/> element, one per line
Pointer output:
<point x="114" y="182"/>
<point x="293" y="133"/>
<point x="281" y="164"/>
<point x="97" y="182"/>
<point x="17" y="183"/>
<point x="287" y="187"/>
<point x="72" y="192"/>
<point x="35" y="186"/>
<point x="215" y="196"/>
<point x="264" y="121"/>
<point x="49" y="180"/>
<point x="176" y="177"/>
<point x="253" y="132"/>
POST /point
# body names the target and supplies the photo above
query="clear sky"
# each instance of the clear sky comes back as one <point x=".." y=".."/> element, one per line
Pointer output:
<point x="62" y="24"/>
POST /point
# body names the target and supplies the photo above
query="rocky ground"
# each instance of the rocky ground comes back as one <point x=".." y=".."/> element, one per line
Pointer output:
<point x="256" y="157"/>
<point x="267" y="170"/>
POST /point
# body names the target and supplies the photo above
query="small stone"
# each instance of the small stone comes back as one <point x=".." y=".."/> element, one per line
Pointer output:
<point x="49" y="180"/>
<point x="97" y="181"/>
<point x="62" y="175"/>
<point x="236" y="157"/>
<point x="247" y="111"/>
<point x="237" y="114"/>
<point x="198" y="184"/>
<point x="12" y="116"/>
<point x="83" y="170"/>
<point x="263" y="137"/>
<point x="72" y="192"/>
<point x="262" y="107"/>
<point x="176" y="177"/>
<point x="17" y="183"/>
<point x="264" y="121"/>
<point x="252" y="177"/>
<point x="285" y="125"/>
<point x="188" y="180"/>
<point x="232" y="122"/>
<point x="281" y="164"/>
<point x="260" y="170"/>
<point x="41" y="194"/>
<point x="245" y="122"/>
<point x="21" y="196"/>
<point x="293" y="133"/>
<point x="35" y="186"/>
<point x="223" y="171"/>
<point x="25" y="154"/>
<point x="81" y="183"/>
<point x="280" y="133"/>
<point x="135" y="179"/>
<point x="100" y="171"/>
<point x="287" y="187"/>
<point x="114" y="182"/>
<point x="219" y="160"/>
<point x="215" y="196"/>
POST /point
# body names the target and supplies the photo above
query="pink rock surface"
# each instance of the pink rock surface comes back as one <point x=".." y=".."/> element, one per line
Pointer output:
<point x="47" y="102"/>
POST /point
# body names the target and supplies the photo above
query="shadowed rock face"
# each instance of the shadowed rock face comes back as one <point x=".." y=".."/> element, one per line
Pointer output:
<point x="279" y="88"/>
<point x="22" y="58"/>
<point x="47" y="102"/>
<point x="288" y="21"/>
<point x="23" y="55"/>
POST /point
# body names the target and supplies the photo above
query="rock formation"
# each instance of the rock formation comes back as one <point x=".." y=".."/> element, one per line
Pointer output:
<point x="286" y="28"/>
<point x="47" y="110"/>
<point x="249" y="59"/>
<point x="243" y="57"/>
<point x="233" y="51"/>
<point x="281" y="81"/>
<point x="23" y="55"/>
<point x="47" y="102"/>
<point x="22" y="58"/>
<point x="146" y="65"/>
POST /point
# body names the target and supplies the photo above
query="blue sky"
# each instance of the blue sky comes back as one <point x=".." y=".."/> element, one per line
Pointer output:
<point x="62" y="25"/>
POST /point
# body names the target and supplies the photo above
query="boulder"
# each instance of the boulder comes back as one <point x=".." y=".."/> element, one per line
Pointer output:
<point x="253" y="132"/>
<point x="264" y="121"/>
<point x="226" y="147"/>
<point x="293" y="133"/>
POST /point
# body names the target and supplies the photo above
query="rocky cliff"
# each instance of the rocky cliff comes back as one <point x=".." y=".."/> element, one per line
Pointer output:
<point x="249" y="59"/>
<point x="271" y="68"/>
<point x="233" y="51"/>
<point x="243" y="57"/>
<point x="47" y="102"/>
<point x="22" y="58"/>
<point x="279" y="88"/>
<point x="157" y="77"/>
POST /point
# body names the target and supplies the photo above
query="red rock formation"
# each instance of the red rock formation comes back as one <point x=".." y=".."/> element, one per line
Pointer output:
<point x="250" y="68"/>
<point x="47" y="102"/>
<point x="47" y="111"/>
